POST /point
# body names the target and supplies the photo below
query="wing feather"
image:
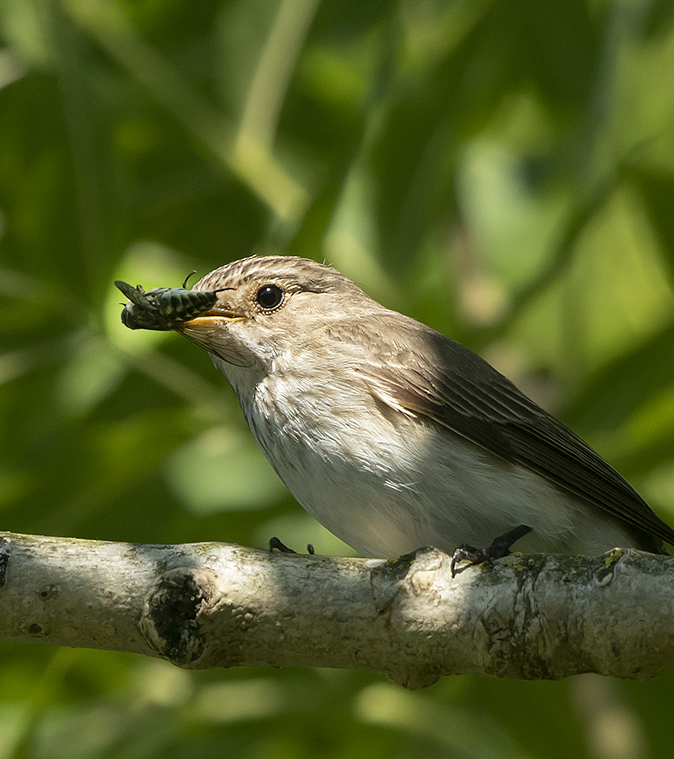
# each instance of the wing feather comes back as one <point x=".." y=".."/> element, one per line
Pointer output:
<point x="430" y="376"/>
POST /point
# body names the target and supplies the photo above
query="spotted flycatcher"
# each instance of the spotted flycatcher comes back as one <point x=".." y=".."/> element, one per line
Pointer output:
<point x="392" y="435"/>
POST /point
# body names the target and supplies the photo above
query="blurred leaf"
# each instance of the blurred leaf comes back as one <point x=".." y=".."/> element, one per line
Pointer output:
<point x="617" y="390"/>
<point x="658" y="193"/>
<point x="452" y="728"/>
<point x="222" y="470"/>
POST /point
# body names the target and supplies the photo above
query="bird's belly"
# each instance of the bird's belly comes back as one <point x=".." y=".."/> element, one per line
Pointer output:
<point x="396" y="489"/>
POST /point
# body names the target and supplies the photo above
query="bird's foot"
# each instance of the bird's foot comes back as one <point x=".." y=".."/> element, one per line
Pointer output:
<point x="275" y="543"/>
<point x="499" y="548"/>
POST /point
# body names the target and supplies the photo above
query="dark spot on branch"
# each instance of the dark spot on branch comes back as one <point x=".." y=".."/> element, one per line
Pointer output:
<point x="171" y="620"/>
<point x="48" y="592"/>
<point x="5" y="551"/>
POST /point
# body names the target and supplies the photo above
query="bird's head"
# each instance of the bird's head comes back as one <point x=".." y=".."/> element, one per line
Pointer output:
<point x="266" y="304"/>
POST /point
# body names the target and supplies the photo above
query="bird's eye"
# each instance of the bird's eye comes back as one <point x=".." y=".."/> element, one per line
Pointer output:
<point x="269" y="297"/>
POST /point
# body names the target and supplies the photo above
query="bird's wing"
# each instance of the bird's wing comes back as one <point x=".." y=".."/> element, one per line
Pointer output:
<point x="427" y="375"/>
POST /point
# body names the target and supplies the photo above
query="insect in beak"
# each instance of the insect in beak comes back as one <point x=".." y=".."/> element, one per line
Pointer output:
<point x="166" y="308"/>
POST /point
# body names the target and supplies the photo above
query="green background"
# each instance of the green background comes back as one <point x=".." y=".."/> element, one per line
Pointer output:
<point x="500" y="169"/>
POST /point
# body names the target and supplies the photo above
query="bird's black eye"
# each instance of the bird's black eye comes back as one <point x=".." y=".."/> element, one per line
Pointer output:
<point x="269" y="297"/>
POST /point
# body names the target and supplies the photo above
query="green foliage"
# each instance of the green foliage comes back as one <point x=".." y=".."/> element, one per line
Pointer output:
<point x="501" y="169"/>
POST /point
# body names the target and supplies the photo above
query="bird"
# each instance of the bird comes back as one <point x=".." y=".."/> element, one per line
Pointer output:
<point x="395" y="437"/>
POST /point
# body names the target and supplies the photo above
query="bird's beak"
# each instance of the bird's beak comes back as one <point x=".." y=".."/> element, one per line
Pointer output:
<point x="217" y="314"/>
<point x="210" y="332"/>
<point x="209" y="317"/>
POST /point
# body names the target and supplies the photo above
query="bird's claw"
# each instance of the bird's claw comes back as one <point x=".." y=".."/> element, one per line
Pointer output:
<point x="499" y="548"/>
<point x="275" y="543"/>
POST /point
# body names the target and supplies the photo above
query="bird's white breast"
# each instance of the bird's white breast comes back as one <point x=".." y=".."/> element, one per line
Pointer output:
<point x="387" y="483"/>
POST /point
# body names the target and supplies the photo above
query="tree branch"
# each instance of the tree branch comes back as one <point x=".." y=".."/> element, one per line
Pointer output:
<point x="220" y="605"/>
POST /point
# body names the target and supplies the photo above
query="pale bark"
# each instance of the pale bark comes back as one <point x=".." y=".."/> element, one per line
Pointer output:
<point x="221" y="605"/>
